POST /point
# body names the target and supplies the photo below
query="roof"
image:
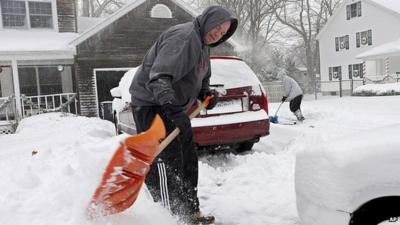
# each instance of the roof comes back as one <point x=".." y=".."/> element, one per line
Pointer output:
<point x="391" y="5"/>
<point x="382" y="51"/>
<point x="84" y="23"/>
<point x="129" y="6"/>
<point x="32" y="42"/>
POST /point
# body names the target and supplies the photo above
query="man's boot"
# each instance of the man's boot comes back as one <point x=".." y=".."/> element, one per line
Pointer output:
<point x="299" y="115"/>
<point x="198" y="218"/>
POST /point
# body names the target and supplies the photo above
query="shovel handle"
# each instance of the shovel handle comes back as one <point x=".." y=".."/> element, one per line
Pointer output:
<point x="175" y="132"/>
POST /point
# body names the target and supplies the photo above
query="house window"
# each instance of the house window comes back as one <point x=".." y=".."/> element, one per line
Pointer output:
<point x="15" y="14"/>
<point x="335" y="73"/>
<point x="363" y="38"/>
<point x="161" y="11"/>
<point x="39" y="80"/>
<point x="40" y="15"/>
<point x="342" y="43"/>
<point x="353" y="10"/>
<point x="356" y="71"/>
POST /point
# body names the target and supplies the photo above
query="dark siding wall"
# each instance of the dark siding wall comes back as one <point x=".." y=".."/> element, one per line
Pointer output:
<point x="66" y="15"/>
<point x="121" y="44"/>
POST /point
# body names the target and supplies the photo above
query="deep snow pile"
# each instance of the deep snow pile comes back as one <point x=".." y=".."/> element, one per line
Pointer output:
<point x="378" y="89"/>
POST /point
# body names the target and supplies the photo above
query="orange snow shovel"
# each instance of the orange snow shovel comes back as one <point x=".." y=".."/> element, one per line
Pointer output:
<point x="127" y="169"/>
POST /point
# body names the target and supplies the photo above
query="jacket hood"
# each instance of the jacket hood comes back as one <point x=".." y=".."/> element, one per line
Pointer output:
<point x="281" y="73"/>
<point x="211" y="18"/>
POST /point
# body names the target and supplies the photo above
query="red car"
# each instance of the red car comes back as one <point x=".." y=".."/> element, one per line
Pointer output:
<point x="238" y="120"/>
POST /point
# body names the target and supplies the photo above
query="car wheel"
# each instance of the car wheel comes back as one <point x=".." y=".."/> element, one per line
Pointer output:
<point x="245" y="146"/>
<point x="377" y="211"/>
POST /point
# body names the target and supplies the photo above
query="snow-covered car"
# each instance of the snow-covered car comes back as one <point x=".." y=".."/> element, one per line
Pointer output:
<point x="239" y="119"/>
<point x="350" y="180"/>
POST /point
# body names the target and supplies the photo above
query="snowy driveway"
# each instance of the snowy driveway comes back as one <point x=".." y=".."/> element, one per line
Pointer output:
<point x="50" y="168"/>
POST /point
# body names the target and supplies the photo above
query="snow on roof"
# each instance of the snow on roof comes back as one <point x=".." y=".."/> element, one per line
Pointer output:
<point x="84" y="23"/>
<point x="390" y="4"/>
<point x="127" y="8"/>
<point x="381" y="51"/>
<point x="19" y="41"/>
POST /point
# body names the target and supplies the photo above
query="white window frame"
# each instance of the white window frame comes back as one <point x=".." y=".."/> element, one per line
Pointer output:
<point x="28" y="19"/>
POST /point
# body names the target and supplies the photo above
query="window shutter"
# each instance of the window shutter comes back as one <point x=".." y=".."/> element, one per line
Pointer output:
<point x="358" y="39"/>
<point x="350" y="72"/>
<point x="348" y="12"/>
<point x="337" y="43"/>
<point x="340" y="72"/>
<point x="347" y="42"/>
<point x="361" y="72"/>
<point x="358" y="8"/>
<point x="330" y="73"/>
<point x="369" y="37"/>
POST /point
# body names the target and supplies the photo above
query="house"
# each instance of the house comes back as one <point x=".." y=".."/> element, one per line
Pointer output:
<point x="353" y="41"/>
<point x="51" y="56"/>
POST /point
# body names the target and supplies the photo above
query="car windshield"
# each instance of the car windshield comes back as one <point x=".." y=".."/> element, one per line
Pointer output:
<point x="232" y="73"/>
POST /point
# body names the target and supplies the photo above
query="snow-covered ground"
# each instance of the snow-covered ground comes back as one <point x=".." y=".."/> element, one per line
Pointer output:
<point x="50" y="168"/>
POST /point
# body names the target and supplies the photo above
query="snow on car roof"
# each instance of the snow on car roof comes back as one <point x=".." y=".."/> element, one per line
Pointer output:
<point x="232" y="73"/>
<point x="229" y="72"/>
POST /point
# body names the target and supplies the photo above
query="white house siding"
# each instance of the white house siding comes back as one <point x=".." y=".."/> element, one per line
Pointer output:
<point x="383" y="23"/>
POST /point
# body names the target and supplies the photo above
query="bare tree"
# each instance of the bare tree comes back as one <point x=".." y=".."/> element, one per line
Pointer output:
<point x="98" y="8"/>
<point x="255" y="29"/>
<point x="306" y="18"/>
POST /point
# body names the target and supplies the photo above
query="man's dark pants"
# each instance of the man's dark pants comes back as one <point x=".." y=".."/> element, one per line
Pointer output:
<point x="295" y="103"/>
<point x="172" y="179"/>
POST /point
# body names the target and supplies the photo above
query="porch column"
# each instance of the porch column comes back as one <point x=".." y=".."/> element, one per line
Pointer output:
<point x="17" y="93"/>
<point x="387" y="66"/>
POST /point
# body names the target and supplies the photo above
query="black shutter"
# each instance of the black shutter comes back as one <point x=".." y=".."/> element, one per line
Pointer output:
<point x="330" y="73"/>
<point x="350" y="72"/>
<point x="358" y="39"/>
<point x="348" y="12"/>
<point x="358" y="8"/>
<point x="340" y="72"/>
<point x="347" y="42"/>
<point x="369" y="37"/>
<point x="361" y="70"/>
<point x="337" y="43"/>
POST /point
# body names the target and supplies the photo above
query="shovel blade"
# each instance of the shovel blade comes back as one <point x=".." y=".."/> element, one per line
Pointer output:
<point x="126" y="171"/>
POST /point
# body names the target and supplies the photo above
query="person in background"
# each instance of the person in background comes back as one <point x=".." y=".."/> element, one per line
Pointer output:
<point x="174" y="73"/>
<point x="292" y="92"/>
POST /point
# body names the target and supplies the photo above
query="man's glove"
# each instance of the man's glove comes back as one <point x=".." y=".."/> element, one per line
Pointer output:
<point x="178" y="117"/>
<point x="213" y="101"/>
<point x="284" y="98"/>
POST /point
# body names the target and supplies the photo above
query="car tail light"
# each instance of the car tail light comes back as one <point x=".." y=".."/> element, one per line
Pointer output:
<point x="265" y="102"/>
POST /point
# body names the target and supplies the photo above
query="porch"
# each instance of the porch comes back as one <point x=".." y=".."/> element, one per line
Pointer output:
<point x="33" y="105"/>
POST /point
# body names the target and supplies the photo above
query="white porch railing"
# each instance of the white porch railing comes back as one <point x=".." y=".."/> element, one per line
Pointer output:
<point x="64" y="102"/>
<point x="7" y="115"/>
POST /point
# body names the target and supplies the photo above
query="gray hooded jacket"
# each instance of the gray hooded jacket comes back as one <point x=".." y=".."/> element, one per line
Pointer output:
<point x="177" y="66"/>
<point x="290" y="87"/>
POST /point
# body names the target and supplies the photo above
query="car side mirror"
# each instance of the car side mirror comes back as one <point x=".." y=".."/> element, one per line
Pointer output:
<point x="116" y="92"/>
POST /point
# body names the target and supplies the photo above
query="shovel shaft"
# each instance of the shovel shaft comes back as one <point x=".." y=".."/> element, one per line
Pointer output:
<point x="175" y="132"/>
<point x="278" y="108"/>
